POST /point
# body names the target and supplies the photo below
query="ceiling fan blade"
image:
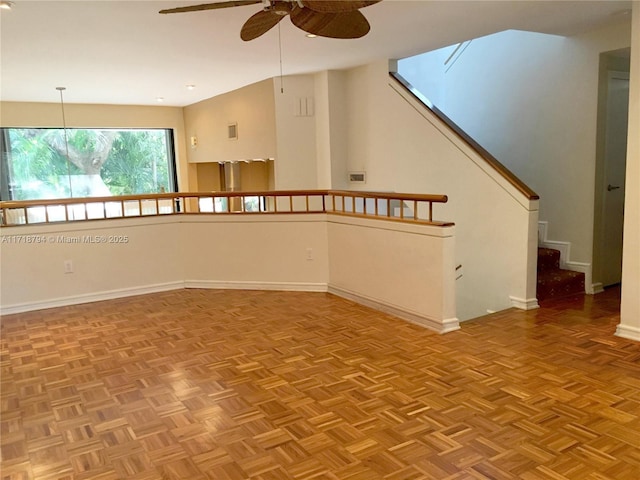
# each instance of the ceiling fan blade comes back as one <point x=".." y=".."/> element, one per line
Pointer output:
<point x="337" y="6"/>
<point x="259" y="23"/>
<point x="332" y="25"/>
<point x="211" y="6"/>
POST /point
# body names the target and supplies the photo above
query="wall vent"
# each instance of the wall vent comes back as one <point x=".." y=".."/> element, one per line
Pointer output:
<point x="357" y="177"/>
<point x="303" y="107"/>
<point x="232" y="131"/>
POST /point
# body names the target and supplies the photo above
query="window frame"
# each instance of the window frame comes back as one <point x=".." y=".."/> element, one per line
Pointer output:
<point x="6" y="165"/>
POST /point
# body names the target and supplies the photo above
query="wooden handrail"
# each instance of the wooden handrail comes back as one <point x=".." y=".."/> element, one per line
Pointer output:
<point x="484" y="154"/>
<point x="393" y="195"/>
<point x="153" y="196"/>
<point x="47" y="211"/>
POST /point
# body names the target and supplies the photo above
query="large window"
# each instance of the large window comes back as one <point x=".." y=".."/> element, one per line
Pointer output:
<point x="39" y="163"/>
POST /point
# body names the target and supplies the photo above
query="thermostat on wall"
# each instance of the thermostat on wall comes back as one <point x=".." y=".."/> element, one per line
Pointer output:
<point x="357" y="177"/>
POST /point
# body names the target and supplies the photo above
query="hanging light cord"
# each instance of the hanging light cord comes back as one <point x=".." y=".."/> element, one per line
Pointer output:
<point x="66" y="140"/>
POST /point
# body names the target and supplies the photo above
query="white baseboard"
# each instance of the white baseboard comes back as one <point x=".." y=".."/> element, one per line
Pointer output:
<point x="586" y="269"/>
<point x="565" y="258"/>
<point x="163" y="287"/>
<point x="630" y="333"/>
<point x="439" y="326"/>
<point x="241" y="285"/>
<point x="524" y="304"/>
<point x="597" y="288"/>
<point x="91" y="297"/>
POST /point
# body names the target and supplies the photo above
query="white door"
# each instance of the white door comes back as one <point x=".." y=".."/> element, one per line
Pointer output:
<point x="614" y="172"/>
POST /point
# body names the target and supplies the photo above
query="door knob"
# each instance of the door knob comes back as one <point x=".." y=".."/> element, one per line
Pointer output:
<point x="612" y="187"/>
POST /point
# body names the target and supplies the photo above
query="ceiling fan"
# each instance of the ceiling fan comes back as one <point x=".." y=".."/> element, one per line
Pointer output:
<point x="325" y="18"/>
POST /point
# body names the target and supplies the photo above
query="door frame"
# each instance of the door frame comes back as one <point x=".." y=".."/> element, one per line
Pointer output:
<point x="606" y="75"/>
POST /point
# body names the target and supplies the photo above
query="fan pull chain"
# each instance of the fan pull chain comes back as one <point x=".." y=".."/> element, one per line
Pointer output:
<point x="280" y="46"/>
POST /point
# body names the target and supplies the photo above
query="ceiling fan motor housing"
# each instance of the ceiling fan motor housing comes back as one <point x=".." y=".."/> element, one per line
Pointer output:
<point x="281" y="8"/>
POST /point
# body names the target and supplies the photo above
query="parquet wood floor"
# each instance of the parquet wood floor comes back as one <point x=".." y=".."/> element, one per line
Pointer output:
<point x="226" y="385"/>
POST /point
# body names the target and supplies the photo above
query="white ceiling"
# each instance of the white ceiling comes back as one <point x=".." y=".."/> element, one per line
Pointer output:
<point x="124" y="52"/>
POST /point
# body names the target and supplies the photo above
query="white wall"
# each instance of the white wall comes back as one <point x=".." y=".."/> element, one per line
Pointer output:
<point x="252" y="108"/>
<point x="269" y="126"/>
<point x="261" y="251"/>
<point x="531" y="100"/>
<point x="270" y="252"/>
<point x="135" y="258"/>
<point x="323" y="129"/>
<point x="21" y="114"/>
<point x="295" y="165"/>
<point x="331" y="129"/>
<point x="426" y="72"/>
<point x="397" y="266"/>
<point x="405" y="149"/>
<point x="152" y="254"/>
<point x="630" y="309"/>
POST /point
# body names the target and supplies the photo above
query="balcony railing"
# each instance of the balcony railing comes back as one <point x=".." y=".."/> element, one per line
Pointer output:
<point x="404" y="207"/>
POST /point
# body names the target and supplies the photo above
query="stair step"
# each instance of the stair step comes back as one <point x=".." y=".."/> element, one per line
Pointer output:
<point x="548" y="259"/>
<point x="558" y="283"/>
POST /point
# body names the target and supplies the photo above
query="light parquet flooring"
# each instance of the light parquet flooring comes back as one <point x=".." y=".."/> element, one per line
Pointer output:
<point x="226" y="385"/>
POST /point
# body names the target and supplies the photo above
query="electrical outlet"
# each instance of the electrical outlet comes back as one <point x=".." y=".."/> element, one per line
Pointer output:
<point x="68" y="266"/>
<point x="309" y="253"/>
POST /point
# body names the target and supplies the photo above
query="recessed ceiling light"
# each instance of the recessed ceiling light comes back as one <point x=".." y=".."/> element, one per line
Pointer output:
<point x="6" y="5"/>
<point x="160" y="99"/>
<point x="311" y="35"/>
<point x="191" y="87"/>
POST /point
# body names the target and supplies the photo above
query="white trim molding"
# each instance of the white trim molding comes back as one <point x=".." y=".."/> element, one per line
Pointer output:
<point x="565" y="259"/>
<point x="246" y="285"/>
<point x="524" y="304"/>
<point x="585" y="268"/>
<point x="439" y="326"/>
<point x="630" y="333"/>
<point x="444" y="326"/>
<point x="92" y="297"/>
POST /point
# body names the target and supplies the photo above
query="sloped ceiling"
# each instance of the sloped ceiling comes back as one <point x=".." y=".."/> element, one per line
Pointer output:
<point x="124" y="52"/>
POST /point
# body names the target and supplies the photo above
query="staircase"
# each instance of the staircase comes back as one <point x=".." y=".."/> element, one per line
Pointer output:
<point x="553" y="281"/>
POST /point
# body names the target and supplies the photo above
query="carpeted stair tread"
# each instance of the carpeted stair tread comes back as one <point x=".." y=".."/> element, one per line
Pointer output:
<point x="554" y="282"/>
<point x="548" y="258"/>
